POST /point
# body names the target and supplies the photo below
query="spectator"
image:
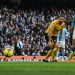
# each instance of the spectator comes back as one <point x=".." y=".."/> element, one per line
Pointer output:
<point x="30" y="25"/>
<point x="18" y="47"/>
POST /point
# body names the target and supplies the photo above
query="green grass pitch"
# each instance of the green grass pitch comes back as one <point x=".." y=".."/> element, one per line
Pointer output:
<point x="37" y="68"/>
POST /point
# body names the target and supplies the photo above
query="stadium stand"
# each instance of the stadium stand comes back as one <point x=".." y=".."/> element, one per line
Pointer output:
<point x="29" y="26"/>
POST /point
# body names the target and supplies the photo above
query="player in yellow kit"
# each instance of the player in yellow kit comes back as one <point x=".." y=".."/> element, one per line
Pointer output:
<point x="51" y="32"/>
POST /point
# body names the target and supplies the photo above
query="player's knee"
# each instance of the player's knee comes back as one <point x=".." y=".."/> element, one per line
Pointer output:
<point x="50" y="51"/>
<point x="70" y="55"/>
<point x="54" y="50"/>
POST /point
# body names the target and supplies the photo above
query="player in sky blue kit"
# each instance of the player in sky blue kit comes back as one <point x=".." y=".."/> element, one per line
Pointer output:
<point x="61" y="41"/>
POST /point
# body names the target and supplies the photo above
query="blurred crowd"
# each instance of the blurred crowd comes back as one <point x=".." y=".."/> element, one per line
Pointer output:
<point x="27" y="28"/>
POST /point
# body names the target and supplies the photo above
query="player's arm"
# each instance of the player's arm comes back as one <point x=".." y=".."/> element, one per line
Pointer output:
<point x="49" y="31"/>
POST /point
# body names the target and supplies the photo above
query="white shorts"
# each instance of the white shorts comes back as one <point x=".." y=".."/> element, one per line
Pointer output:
<point x="61" y="44"/>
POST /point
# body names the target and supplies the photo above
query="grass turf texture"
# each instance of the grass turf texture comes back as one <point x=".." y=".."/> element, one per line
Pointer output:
<point x="37" y="68"/>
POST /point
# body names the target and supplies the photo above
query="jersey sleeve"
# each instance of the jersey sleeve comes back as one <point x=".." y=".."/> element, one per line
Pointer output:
<point x="50" y="27"/>
<point x="63" y="24"/>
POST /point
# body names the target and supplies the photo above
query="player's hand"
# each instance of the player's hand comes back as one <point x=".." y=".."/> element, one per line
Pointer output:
<point x="57" y="44"/>
<point x="50" y="43"/>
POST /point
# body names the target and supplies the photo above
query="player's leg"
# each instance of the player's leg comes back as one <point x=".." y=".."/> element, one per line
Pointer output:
<point x="55" y="49"/>
<point x="70" y="55"/>
<point x="49" y="52"/>
<point x="57" y="55"/>
<point x="63" y="50"/>
<point x="70" y="52"/>
<point x="63" y="54"/>
<point x="47" y="56"/>
<point x="50" y="48"/>
<point x="54" y="54"/>
<point x="58" y="52"/>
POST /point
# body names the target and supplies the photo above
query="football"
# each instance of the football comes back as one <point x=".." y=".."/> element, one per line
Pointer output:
<point x="8" y="52"/>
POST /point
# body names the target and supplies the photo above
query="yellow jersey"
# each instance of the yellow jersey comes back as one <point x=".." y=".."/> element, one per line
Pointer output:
<point x="55" y="26"/>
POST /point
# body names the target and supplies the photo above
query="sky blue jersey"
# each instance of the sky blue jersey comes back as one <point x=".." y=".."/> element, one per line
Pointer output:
<point x="63" y="36"/>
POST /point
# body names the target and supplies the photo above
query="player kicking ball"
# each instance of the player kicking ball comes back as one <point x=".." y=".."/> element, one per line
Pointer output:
<point x="51" y="35"/>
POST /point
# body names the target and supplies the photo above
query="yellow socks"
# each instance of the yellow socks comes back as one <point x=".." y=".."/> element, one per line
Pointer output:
<point x="54" y="54"/>
<point x="70" y="56"/>
<point x="48" y="54"/>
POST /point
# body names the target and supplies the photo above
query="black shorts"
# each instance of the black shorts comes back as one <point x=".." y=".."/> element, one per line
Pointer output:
<point x="53" y="38"/>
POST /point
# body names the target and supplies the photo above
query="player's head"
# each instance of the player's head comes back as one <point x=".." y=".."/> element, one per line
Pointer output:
<point x="61" y="19"/>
